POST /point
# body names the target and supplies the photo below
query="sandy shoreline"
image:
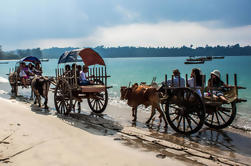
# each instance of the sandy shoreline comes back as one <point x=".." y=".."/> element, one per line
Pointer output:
<point x="47" y="140"/>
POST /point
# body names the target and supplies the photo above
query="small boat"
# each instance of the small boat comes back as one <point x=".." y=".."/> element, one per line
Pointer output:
<point x="208" y="58"/>
<point x="44" y="60"/>
<point x="195" y="59"/>
<point x="4" y="62"/>
<point x="218" y="57"/>
<point x="194" y="62"/>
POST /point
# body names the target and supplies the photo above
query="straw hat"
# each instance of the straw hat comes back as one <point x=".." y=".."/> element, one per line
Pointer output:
<point x="216" y="73"/>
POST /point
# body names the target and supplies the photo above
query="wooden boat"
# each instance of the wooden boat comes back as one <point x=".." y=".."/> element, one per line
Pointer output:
<point x="194" y="62"/>
<point x="208" y="58"/>
<point x="44" y="60"/>
<point x="218" y="57"/>
<point x="194" y="59"/>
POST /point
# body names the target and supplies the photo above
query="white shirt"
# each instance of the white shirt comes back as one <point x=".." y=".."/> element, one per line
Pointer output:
<point x="176" y="82"/>
<point x="82" y="76"/>
<point x="22" y="73"/>
<point x="191" y="85"/>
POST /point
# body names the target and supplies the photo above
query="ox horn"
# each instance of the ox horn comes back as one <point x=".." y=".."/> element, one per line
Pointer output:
<point x="129" y="84"/>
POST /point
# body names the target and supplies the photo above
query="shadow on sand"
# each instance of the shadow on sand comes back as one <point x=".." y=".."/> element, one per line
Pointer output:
<point x="97" y="124"/>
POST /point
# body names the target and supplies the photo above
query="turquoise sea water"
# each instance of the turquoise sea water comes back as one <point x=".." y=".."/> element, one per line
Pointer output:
<point x="125" y="70"/>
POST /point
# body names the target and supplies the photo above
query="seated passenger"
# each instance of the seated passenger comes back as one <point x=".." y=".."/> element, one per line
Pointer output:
<point x="79" y="69"/>
<point x="82" y="79"/>
<point x="216" y="82"/>
<point x="176" y="79"/>
<point x="67" y="71"/>
<point x="176" y="83"/>
<point x="31" y="70"/>
<point x="38" y="69"/>
<point x="23" y="74"/>
<point x="196" y="80"/>
<point x="73" y="69"/>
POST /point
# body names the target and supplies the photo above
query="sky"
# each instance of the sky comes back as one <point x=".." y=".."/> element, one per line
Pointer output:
<point x="148" y="23"/>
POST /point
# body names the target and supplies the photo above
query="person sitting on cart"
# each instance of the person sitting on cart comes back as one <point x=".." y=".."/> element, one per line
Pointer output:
<point x="73" y="69"/>
<point x="31" y="70"/>
<point x="174" y="83"/>
<point x="23" y="74"/>
<point x="176" y="79"/>
<point x="38" y="70"/>
<point x="82" y="78"/>
<point x="79" y="69"/>
<point x="216" y="82"/>
<point x="67" y="71"/>
<point x="196" y="80"/>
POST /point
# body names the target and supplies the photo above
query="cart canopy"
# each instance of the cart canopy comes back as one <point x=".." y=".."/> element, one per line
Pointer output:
<point x="88" y="55"/>
<point x="30" y="59"/>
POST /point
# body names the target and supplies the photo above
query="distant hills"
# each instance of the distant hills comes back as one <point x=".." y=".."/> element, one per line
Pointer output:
<point x="123" y="52"/>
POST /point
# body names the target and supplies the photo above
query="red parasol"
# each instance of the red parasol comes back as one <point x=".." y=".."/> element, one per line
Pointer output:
<point x="91" y="57"/>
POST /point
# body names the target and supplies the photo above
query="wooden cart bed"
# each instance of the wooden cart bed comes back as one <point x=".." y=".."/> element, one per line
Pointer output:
<point x="93" y="88"/>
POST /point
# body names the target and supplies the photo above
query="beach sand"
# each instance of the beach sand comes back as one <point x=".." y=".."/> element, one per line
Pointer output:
<point x="29" y="138"/>
<point x="30" y="135"/>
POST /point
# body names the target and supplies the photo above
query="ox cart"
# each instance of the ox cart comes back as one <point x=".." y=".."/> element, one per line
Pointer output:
<point x="68" y="93"/>
<point x="14" y="74"/>
<point x="187" y="112"/>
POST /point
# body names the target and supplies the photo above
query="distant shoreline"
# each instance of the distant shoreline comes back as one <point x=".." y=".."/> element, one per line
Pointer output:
<point x="138" y="57"/>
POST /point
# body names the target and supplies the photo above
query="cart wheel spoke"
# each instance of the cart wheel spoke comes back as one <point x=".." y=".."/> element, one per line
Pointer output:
<point x="176" y="118"/>
<point x="221" y="117"/>
<point x="217" y="118"/>
<point x="225" y="113"/>
<point x="212" y="119"/>
<point x="193" y="120"/>
<point x="184" y="124"/>
<point x="179" y="122"/>
<point x="189" y="123"/>
<point x="97" y="108"/>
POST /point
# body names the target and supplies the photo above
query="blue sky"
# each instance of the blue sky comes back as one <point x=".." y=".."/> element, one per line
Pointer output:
<point x="84" y="23"/>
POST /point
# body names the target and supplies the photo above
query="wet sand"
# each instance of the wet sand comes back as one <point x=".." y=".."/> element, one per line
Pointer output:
<point x="207" y="147"/>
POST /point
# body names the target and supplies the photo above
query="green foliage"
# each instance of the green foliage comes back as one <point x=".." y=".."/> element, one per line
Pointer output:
<point x="118" y="52"/>
<point x="18" y="54"/>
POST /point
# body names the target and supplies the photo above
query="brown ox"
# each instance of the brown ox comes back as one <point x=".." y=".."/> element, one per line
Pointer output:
<point x="142" y="94"/>
<point x="40" y="86"/>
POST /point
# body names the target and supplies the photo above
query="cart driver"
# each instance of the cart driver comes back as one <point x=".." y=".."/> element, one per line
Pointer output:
<point x="174" y="82"/>
<point x="176" y="79"/>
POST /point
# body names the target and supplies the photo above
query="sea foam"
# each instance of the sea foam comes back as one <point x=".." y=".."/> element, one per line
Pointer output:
<point x="3" y="80"/>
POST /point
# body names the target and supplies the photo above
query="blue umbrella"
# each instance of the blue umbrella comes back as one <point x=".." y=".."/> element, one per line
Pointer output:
<point x="30" y="59"/>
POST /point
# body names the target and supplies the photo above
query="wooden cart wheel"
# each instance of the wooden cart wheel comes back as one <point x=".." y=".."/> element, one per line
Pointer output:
<point x="63" y="97"/>
<point x="76" y="107"/>
<point x="219" y="117"/>
<point x="185" y="111"/>
<point x="99" y="101"/>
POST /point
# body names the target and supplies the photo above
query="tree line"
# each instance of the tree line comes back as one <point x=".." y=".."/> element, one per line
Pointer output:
<point x="18" y="54"/>
<point x="118" y="52"/>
